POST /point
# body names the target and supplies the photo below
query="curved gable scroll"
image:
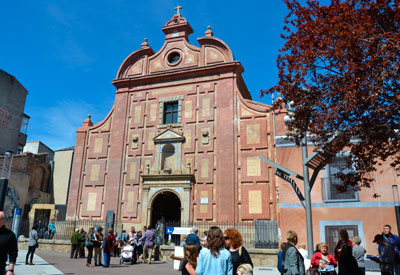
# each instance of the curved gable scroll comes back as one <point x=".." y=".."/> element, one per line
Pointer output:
<point x="215" y="50"/>
<point x="135" y="64"/>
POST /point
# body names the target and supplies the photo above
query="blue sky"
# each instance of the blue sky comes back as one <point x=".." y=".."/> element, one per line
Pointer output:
<point x="66" y="52"/>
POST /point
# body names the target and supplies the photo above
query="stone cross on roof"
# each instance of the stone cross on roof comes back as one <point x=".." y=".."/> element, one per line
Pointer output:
<point x="178" y="10"/>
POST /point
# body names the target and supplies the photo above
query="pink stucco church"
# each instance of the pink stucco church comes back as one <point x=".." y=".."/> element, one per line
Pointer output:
<point x="182" y="140"/>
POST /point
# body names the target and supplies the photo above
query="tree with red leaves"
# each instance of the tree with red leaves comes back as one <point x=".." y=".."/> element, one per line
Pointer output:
<point x="340" y="66"/>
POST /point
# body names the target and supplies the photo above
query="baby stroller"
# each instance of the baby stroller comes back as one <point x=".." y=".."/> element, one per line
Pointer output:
<point x="126" y="255"/>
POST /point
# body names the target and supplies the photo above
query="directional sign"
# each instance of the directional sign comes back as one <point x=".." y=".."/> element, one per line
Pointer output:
<point x="178" y="230"/>
<point x="296" y="189"/>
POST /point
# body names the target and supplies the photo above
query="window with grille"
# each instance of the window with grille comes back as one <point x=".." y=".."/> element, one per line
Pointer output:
<point x="332" y="235"/>
<point x="170" y="113"/>
<point x="331" y="180"/>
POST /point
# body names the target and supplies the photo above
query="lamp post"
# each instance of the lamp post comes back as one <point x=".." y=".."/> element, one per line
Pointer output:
<point x="5" y="175"/>
<point x="395" y="191"/>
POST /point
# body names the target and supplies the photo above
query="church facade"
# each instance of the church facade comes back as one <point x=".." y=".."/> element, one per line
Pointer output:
<point x="181" y="142"/>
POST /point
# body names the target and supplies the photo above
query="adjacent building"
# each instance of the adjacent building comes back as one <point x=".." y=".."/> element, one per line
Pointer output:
<point x="13" y="120"/>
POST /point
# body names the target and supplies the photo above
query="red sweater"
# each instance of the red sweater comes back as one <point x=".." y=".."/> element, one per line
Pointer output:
<point x="109" y="243"/>
<point x="317" y="257"/>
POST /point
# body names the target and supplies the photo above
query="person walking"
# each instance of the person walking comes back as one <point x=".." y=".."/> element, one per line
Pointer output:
<point x="190" y="263"/>
<point x="347" y="263"/>
<point x="241" y="260"/>
<point x="386" y="257"/>
<point x="82" y="239"/>
<point x="358" y="254"/>
<point x="148" y="239"/>
<point x="98" y="247"/>
<point x="292" y="261"/>
<point x="109" y="243"/>
<point x="394" y="241"/>
<point x="138" y="250"/>
<point x="214" y="259"/>
<point x="323" y="261"/>
<point x="32" y="244"/>
<point x="90" y="241"/>
<point x="75" y="238"/>
<point x="8" y="247"/>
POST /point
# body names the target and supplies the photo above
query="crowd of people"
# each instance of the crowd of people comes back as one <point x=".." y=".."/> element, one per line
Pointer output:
<point x="220" y="253"/>
<point x="348" y="257"/>
<point x="217" y="252"/>
<point x="101" y="247"/>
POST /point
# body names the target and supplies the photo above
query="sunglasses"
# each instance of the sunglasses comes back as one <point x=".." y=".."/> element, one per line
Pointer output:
<point x="226" y="238"/>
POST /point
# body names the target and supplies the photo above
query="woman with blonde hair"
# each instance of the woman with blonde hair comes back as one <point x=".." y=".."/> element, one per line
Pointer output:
<point x="292" y="261"/>
<point x="323" y="260"/>
<point x="241" y="260"/>
<point x="190" y="263"/>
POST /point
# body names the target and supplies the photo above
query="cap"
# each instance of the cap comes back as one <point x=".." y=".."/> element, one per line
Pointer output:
<point x="378" y="237"/>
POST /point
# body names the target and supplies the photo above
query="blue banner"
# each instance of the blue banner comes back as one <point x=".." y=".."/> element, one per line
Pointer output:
<point x="16" y="221"/>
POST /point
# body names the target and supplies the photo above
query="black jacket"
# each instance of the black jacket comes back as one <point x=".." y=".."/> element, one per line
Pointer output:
<point x="8" y="247"/>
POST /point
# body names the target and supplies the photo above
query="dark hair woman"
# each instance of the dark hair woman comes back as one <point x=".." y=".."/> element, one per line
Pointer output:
<point x="190" y="263"/>
<point x="347" y="263"/>
<point x="343" y="239"/>
<point x="214" y="259"/>
<point x="32" y="244"/>
<point x="241" y="260"/>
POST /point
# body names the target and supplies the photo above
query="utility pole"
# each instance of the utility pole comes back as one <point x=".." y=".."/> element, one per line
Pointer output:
<point x="307" y="196"/>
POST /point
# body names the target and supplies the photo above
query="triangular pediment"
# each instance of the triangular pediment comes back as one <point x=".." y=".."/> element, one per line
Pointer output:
<point x="168" y="136"/>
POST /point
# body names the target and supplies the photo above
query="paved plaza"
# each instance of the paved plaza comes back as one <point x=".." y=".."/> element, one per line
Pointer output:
<point x="59" y="263"/>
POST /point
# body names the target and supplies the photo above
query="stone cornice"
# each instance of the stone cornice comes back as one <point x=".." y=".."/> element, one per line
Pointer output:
<point x="235" y="67"/>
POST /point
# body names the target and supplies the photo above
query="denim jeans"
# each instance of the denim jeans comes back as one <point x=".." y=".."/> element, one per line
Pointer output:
<point x="107" y="258"/>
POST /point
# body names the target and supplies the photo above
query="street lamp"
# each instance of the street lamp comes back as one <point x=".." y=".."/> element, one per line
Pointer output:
<point x="395" y="190"/>
<point x="5" y="175"/>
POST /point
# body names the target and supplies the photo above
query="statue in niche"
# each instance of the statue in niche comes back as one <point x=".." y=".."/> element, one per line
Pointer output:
<point x="168" y="160"/>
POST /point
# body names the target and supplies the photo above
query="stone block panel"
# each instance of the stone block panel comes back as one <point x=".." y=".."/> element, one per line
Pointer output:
<point x="189" y="132"/>
<point x="253" y="134"/>
<point x="132" y="171"/>
<point x="91" y="202"/>
<point x="95" y="172"/>
<point x="137" y="111"/>
<point x="130" y="202"/>
<point x="205" y="168"/>
<point x="204" y="200"/>
<point x="189" y="109"/>
<point x="206" y="107"/>
<point x="98" y="145"/>
<point x="255" y="202"/>
<point x="149" y="146"/>
<point x="152" y="113"/>
<point x="252" y="167"/>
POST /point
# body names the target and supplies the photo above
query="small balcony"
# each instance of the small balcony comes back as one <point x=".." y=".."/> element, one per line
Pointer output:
<point x="331" y="194"/>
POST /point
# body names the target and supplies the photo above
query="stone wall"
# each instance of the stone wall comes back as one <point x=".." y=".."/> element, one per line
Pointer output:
<point x="59" y="246"/>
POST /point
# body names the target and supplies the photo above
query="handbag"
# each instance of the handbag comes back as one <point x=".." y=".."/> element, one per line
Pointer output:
<point x="245" y="268"/>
